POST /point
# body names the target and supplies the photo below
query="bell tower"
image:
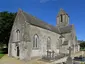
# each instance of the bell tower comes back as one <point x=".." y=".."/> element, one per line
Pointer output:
<point x="62" y="18"/>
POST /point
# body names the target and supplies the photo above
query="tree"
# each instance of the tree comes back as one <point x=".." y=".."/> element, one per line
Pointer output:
<point x="6" y="22"/>
<point x="82" y="45"/>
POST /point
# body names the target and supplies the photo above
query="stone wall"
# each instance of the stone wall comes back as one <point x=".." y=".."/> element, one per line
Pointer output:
<point x="43" y="36"/>
<point x="24" y="38"/>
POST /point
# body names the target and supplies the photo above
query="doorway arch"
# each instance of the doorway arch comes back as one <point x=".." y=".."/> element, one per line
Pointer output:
<point x="18" y="51"/>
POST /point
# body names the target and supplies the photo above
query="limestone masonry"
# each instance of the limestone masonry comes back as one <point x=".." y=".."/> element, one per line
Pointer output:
<point x="32" y="38"/>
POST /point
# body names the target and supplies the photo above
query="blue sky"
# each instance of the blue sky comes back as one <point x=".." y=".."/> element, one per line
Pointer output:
<point x="47" y="11"/>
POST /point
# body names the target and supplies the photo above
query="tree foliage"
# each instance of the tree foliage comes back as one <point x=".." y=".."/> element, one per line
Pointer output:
<point x="82" y="45"/>
<point x="6" y="22"/>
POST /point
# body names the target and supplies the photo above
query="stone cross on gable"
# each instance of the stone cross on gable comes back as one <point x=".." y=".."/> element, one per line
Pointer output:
<point x="70" y="51"/>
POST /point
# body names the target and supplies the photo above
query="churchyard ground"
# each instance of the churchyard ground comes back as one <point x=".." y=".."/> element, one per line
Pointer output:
<point x="9" y="60"/>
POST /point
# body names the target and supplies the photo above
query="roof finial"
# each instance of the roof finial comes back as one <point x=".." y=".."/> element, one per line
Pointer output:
<point x="62" y="12"/>
<point x="19" y="9"/>
<point x="61" y="9"/>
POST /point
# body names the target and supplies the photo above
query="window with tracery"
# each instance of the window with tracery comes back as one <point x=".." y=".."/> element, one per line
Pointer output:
<point x="48" y="43"/>
<point x="18" y="34"/>
<point x="35" y="41"/>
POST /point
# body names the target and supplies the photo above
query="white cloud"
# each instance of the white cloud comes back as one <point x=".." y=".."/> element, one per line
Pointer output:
<point x="44" y="1"/>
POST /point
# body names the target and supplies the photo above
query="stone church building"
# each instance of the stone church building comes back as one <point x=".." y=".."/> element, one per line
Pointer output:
<point x="32" y="38"/>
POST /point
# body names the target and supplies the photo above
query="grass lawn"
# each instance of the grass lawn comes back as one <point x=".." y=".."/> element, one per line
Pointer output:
<point x="1" y="55"/>
<point x="3" y="51"/>
<point x="82" y="49"/>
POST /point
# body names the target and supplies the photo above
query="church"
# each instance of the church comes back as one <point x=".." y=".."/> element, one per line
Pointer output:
<point x="33" y="38"/>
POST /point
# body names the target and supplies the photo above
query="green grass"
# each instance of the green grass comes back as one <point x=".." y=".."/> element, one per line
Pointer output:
<point x="1" y="55"/>
<point x="82" y="63"/>
<point x="82" y="49"/>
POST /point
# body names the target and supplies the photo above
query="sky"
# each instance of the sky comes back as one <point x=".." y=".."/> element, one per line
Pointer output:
<point x="47" y="11"/>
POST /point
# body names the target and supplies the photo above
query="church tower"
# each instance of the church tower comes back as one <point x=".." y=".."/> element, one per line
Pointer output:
<point x="62" y="18"/>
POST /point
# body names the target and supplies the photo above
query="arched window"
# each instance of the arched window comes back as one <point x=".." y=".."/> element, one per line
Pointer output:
<point x="48" y="43"/>
<point x="18" y="34"/>
<point x="35" y="41"/>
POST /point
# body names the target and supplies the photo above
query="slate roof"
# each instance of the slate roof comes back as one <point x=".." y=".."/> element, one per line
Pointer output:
<point x="80" y="41"/>
<point x="34" y="21"/>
